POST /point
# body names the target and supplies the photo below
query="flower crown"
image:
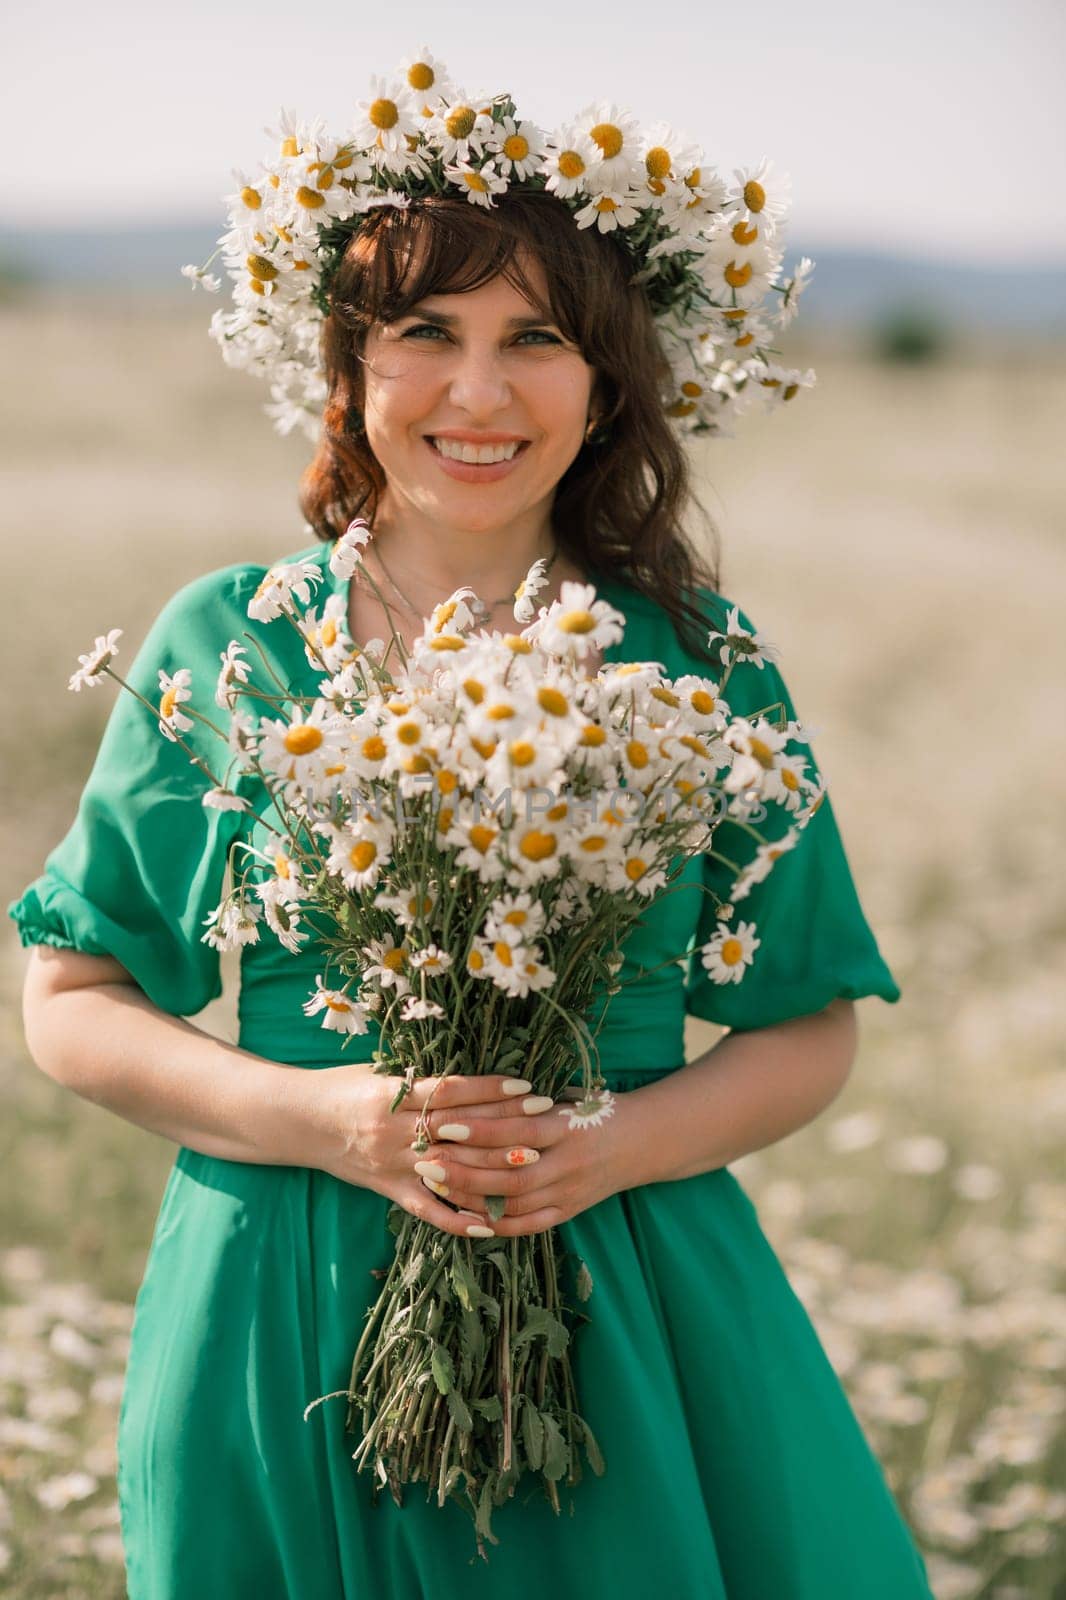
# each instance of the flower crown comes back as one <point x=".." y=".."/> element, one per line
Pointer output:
<point x="707" y="252"/>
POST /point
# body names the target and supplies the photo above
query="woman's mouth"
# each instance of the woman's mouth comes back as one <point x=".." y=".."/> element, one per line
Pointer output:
<point x="471" y="463"/>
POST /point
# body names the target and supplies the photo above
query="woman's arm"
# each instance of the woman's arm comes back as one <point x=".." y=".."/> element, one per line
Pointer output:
<point x="89" y="1026"/>
<point x="749" y="1090"/>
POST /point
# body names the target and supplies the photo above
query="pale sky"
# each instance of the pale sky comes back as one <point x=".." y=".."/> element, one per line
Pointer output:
<point x="928" y="129"/>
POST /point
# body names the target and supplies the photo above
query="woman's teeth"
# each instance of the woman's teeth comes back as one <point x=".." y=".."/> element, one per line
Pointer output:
<point x="482" y="455"/>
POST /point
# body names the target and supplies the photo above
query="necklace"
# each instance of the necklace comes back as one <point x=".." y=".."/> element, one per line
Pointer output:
<point x="486" y="609"/>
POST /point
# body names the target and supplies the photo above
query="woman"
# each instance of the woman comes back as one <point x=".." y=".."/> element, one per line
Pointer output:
<point x="735" y="1465"/>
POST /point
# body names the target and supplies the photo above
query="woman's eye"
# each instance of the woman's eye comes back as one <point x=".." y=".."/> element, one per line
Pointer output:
<point x="431" y="327"/>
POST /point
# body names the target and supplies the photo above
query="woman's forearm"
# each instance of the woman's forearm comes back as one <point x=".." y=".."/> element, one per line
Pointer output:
<point x="750" y="1090"/>
<point x="110" y="1044"/>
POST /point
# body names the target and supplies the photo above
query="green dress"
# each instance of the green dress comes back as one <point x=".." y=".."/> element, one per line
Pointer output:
<point x="735" y="1465"/>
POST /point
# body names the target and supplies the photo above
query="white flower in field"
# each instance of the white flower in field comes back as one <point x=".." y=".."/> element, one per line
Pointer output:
<point x="92" y="664"/>
<point x="70" y="1345"/>
<point x="413" y="1010"/>
<point x="729" y="952"/>
<point x="977" y="1181"/>
<point x="857" y="1131"/>
<point x="234" y="671"/>
<point x="589" y="1112"/>
<point x="276" y="591"/>
<point x="347" y="553"/>
<point x="55" y="1494"/>
<point x="232" y="925"/>
<point x="432" y="960"/>
<point x="921" y="1154"/>
<point x="174" y="691"/>
<point x="341" y="1014"/>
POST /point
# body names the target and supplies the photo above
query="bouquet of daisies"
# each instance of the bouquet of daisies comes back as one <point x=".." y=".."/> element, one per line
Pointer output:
<point x="480" y="826"/>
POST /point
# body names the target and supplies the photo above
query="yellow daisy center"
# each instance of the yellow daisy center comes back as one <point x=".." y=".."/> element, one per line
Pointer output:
<point x="537" y="846"/>
<point x="421" y="75"/>
<point x="743" y="234"/>
<point x="289" y="147"/>
<point x="168" y="702"/>
<point x="522" y="753"/>
<point x="635" y="868"/>
<point x="702" y="702"/>
<point x="570" y="164"/>
<point x="363" y="854"/>
<point x="516" y="147"/>
<point x="460" y="121"/>
<point x="736" y="276"/>
<point x="481" y="837"/>
<point x="576" y="622"/>
<point x="310" y="199"/>
<point x="475" y="181"/>
<point x="731" y="952"/>
<point x="502" y="951"/>
<point x="251" y="198"/>
<point x="606" y="204"/>
<point x="393" y="959"/>
<point x="608" y="137"/>
<point x="691" y="389"/>
<point x="373" y="748"/>
<point x="754" y="195"/>
<point x="637" y="753"/>
<point x="553" y="701"/>
<point x="384" y="114"/>
<point x="302" y="739"/>
<point x="261" y="268"/>
<point x="657" y="161"/>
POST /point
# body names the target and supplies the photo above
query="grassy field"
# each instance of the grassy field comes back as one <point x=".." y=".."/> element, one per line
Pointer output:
<point x="898" y="533"/>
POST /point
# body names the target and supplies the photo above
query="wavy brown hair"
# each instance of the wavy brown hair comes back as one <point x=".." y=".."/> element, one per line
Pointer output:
<point x="619" y="506"/>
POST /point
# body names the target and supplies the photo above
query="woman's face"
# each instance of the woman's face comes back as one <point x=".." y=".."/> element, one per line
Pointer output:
<point x="476" y="369"/>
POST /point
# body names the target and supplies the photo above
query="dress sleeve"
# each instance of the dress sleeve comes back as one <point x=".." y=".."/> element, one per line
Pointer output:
<point x="144" y="862"/>
<point x="815" y="943"/>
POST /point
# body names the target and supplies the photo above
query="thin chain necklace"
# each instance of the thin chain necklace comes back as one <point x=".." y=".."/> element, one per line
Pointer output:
<point x="487" y="609"/>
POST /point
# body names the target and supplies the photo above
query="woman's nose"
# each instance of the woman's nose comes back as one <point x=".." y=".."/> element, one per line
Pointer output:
<point x="478" y="382"/>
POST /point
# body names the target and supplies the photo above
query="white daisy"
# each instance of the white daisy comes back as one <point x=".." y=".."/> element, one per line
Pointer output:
<point x="232" y="925"/>
<point x="779" y="384"/>
<point x="534" y="581"/>
<point x="736" y="274"/>
<point x="761" y="194"/>
<point x="479" y="184"/>
<point x="729" y="952"/>
<point x="569" y="156"/>
<point x="282" y="917"/>
<point x="577" y="623"/>
<point x="174" y="692"/>
<point x="414" y="1009"/>
<point x="224" y="800"/>
<point x="518" y="918"/>
<point x="428" y="80"/>
<point x="616" y="136"/>
<point x="275" y="593"/>
<point x="761" y="864"/>
<point x="92" y="664"/>
<point x="201" y="276"/>
<point x="459" y="130"/>
<point x="589" y="1111"/>
<point x="386" y="962"/>
<point x="793" y="289"/>
<point x="233" y="671"/>
<point x="387" y="117"/>
<point x="347" y="553"/>
<point x="608" y="209"/>
<point x="432" y="960"/>
<point x="518" y="146"/>
<point x="740" y="642"/>
<point x="341" y="1014"/>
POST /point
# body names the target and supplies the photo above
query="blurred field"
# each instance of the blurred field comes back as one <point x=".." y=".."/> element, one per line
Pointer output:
<point x="898" y="533"/>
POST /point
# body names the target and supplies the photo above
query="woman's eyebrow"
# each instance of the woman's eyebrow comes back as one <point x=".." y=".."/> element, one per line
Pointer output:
<point x="447" y="322"/>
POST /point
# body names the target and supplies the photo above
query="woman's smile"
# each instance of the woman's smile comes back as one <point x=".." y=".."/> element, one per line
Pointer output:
<point x="469" y="462"/>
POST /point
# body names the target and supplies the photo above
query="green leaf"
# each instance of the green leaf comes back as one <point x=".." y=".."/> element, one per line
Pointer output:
<point x="495" y="1205"/>
<point x="463" y="1282"/>
<point x="443" y="1368"/>
<point x="540" y="1322"/>
<point x="595" y="1454"/>
<point x="500" y="1261"/>
<point x="413" y="1270"/>
<point x="533" y="1434"/>
<point x="459" y="1410"/>
<point x="556" y="1455"/>
<point x="490" y="1408"/>
<point x="472" y="1339"/>
<point x="483" y="1519"/>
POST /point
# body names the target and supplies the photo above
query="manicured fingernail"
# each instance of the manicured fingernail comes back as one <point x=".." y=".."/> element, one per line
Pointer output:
<point x="515" y="1086"/>
<point x="431" y="1169"/>
<point x="438" y="1188"/>
<point x="477" y="1231"/>
<point x="537" y="1102"/>
<point x="522" y="1156"/>
<point x="453" y="1130"/>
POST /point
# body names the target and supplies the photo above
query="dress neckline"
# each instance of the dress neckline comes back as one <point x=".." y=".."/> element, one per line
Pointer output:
<point x="606" y="589"/>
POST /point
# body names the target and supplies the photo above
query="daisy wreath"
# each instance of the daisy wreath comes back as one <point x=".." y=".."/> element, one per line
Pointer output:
<point x="707" y="251"/>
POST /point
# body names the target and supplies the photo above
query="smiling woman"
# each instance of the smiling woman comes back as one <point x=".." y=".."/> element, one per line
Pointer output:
<point x="448" y="322"/>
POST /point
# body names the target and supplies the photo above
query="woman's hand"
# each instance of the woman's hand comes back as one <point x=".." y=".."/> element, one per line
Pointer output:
<point x="547" y="1170"/>
<point x="359" y="1139"/>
